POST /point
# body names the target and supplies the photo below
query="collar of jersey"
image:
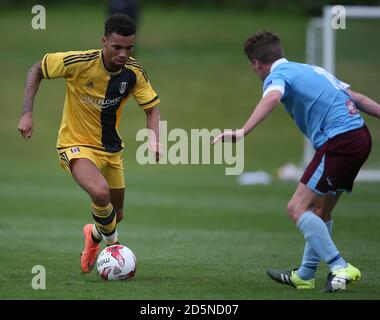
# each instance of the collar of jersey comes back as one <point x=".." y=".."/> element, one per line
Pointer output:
<point x="277" y="62"/>
<point x="104" y="67"/>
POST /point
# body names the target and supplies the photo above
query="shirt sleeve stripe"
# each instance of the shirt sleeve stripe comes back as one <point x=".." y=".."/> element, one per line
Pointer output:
<point x="44" y="67"/>
<point x="149" y="102"/>
<point x="135" y="64"/>
<point x="274" y="87"/>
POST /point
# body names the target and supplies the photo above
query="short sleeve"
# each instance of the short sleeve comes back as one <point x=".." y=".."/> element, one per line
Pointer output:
<point x="272" y="84"/>
<point x="53" y="66"/>
<point x="66" y="64"/>
<point x="143" y="92"/>
<point x="343" y="85"/>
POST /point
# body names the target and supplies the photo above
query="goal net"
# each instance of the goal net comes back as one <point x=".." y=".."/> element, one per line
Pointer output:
<point x="351" y="53"/>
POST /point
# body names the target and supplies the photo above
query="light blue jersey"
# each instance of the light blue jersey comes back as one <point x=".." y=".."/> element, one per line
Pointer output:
<point x="315" y="99"/>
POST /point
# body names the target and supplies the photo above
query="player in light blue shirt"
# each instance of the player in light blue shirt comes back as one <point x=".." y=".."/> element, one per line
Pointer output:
<point x="326" y="110"/>
<point x="314" y="98"/>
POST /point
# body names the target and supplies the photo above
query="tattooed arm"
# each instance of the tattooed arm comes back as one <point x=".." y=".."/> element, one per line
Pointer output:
<point x="33" y="80"/>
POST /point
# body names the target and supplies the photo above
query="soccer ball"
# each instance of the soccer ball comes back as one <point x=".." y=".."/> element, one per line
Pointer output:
<point x="116" y="262"/>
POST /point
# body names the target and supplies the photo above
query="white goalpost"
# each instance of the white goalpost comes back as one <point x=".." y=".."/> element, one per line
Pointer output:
<point x="321" y="43"/>
<point x="320" y="31"/>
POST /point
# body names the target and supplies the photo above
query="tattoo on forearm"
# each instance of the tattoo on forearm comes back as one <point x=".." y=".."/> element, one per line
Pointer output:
<point x="32" y="83"/>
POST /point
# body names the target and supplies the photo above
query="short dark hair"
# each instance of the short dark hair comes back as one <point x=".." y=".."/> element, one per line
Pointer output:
<point x="120" y="24"/>
<point x="264" y="46"/>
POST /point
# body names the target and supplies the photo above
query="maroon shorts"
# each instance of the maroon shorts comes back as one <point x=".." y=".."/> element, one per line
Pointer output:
<point x="336" y="164"/>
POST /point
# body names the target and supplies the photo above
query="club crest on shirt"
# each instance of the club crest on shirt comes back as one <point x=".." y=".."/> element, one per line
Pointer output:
<point x="351" y="107"/>
<point x="123" y="87"/>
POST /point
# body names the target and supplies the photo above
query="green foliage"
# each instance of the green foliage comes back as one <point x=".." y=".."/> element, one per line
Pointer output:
<point x="312" y="7"/>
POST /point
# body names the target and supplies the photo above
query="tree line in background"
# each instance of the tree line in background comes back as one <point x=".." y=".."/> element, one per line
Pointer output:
<point x="312" y="7"/>
<point x="309" y="6"/>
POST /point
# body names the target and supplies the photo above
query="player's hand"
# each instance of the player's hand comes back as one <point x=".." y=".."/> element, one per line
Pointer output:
<point x="157" y="149"/>
<point x="229" y="136"/>
<point x="25" y="125"/>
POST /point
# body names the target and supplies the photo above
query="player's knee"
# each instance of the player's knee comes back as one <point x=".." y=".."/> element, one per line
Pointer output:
<point x="101" y="196"/>
<point x="294" y="210"/>
<point x="119" y="215"/>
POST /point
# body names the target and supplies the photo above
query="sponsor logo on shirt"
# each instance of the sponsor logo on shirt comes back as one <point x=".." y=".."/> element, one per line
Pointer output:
<point x="100" y="102"/>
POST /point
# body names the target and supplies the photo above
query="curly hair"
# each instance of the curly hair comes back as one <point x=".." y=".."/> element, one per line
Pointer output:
<point x="263" y="46"/>
<point x="120" y="24"/>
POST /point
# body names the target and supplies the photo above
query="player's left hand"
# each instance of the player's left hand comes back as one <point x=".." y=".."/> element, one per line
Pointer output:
<point x="229" y="136"/>
<point x="157" y="149"/>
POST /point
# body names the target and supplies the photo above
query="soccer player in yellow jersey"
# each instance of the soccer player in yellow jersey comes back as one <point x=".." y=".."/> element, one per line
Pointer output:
<point x="98" y="82"/>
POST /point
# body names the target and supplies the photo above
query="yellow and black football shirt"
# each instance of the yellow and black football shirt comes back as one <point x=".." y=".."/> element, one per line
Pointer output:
<point x="94" y="97"/>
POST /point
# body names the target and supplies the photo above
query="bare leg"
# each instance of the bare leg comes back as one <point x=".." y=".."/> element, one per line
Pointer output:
<point x="89" y="177"/>
<point x="304" y="199"/>
<point x="117" y="200"/>
<point x="301" y="210"/>
<point x="326" y="205"/>
<point x="311" y="259"/>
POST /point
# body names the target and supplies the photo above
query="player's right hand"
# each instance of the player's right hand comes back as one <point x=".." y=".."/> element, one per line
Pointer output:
<point x="25" y="125"/>
<point x="229" y="136"/>
<point x="157" y="149"/>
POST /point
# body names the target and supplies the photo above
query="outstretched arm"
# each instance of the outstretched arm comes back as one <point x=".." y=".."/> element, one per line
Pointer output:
<point x="33" y="80"/>
<point x="153" y="123"/>
<point x="262" y="110"/>
<point x="365" y="104"/>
